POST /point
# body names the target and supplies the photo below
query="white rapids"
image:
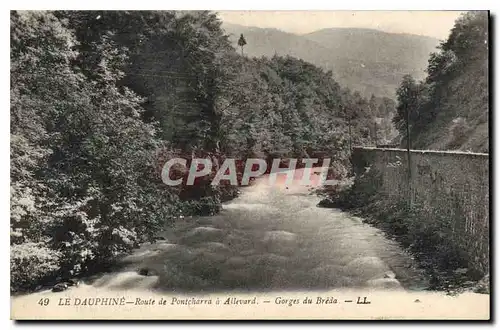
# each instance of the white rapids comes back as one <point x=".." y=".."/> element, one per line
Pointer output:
<point x="272" y="237"/>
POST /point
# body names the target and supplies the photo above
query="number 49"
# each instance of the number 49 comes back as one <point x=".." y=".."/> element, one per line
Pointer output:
<point x="43" y="302"/>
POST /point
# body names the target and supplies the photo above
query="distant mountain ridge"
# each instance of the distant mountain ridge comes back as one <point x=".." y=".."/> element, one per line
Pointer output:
<point x="367" y="60"/>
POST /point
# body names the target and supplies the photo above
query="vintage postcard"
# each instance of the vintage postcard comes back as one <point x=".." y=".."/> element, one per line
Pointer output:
<point x="266" y="165"/>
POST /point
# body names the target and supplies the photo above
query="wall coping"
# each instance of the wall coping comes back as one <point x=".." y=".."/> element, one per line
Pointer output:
<point x="417" y="151"/>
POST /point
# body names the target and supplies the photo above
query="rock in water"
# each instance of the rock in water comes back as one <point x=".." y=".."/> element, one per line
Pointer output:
<point x="327" y="203"/>
<point x="389" y="274"/>
<point x="59" y="287"/>
<point x="73" y="282"/>
<point x="146" y="272"/>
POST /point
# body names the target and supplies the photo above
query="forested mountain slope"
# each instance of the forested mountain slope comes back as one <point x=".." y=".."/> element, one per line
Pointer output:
<point x="366" y="60"/>
<point x="449" y="109"/>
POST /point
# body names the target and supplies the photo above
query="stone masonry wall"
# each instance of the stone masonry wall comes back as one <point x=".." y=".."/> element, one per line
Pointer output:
<point x="453" y="184"/>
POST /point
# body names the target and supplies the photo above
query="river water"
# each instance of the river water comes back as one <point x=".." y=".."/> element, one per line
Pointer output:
<point x="272" y="237"/>
<point x="270" y="243"/>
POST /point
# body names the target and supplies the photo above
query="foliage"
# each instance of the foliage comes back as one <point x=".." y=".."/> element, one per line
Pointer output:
<point x="101" y="99"/>
<point x="456" y="88"/>
<point x="285" y="107"/>
<point x="31" y="263"/>
<point x="242" y="42"/>
<point x="80" y="151"/>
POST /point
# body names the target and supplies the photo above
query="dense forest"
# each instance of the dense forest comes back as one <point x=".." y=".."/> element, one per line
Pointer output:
<point x="100" y="100"/>
<point x="449" y="109"/>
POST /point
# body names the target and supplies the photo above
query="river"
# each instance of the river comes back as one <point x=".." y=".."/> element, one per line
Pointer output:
<point x="272" y="244"/>
<point x="272" y="237"/>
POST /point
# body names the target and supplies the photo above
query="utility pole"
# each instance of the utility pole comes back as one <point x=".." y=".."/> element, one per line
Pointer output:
<point x="350" y="138"/>
<point x="347" y="116"/>
<point x="408" y="147"/>
<point x="373" y="128"/>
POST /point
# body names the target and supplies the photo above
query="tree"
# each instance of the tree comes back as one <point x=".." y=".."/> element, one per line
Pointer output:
<point x="242" y="42"/>
<point x="469" y="37"/>
<point x="82" y="176"/>
<point x="447" y="94"/>
<point x="409" y="96"/>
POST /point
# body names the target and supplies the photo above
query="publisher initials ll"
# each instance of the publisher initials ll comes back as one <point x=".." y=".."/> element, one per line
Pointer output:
<point x="363" y="302"/>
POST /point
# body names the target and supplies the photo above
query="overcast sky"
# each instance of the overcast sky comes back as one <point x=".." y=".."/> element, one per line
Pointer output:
<point x="429" y="23"/>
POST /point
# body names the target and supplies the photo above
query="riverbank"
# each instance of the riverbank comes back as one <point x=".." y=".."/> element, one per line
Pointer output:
<point x="430" y="241"/>
<point x="271" y="237"/>
<point x="271" y="241"/>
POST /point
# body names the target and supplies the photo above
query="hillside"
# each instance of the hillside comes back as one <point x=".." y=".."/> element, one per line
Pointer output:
<point x="450" y="107"/>
<point x="462" y="122"/>
<point x="369" y="61"/>
<point x="267" y="42"/>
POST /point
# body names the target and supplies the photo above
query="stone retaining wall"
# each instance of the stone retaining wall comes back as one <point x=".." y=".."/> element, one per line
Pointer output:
<point x="452" y="184"/>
